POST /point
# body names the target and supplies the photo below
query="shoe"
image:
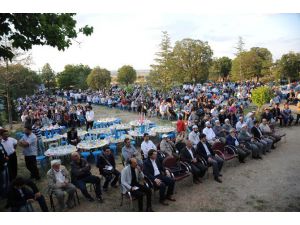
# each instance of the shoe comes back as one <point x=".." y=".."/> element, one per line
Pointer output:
<point x="218" y="180"/>
<point x="90" y="199"/>
<point x="100" y="199"/>
<point x="259" y="157"/>
<point x="220" y="175"/>
<point x="171" y="199"/>
<point x="242" y="161"/>
<point x="162" y="202"/>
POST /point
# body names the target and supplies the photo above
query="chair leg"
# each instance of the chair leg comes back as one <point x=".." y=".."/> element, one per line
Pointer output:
<point x="52" y="203"/>
<point x="76" y="193"/>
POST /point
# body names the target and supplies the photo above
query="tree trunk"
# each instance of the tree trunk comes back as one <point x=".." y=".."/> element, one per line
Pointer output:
<point x="8" y="101"/>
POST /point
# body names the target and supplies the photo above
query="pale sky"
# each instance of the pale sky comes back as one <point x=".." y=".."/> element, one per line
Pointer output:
<point x="133" y="38"/>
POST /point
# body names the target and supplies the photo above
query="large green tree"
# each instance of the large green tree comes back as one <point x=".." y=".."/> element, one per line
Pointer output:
<point x="289" y="66"/>
<point x="99" y="78"/>
<point x="126" y="75"/>
<point x="74" y="76"/>
<point x="192" y="59"/>
<point x="220" y="68"/>
<point x="162" y="71"/>
<point x="48" y="76"/>
<point x="25" y="30"/>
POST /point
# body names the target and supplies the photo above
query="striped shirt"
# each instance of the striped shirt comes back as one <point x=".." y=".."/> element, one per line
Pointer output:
<point x="37" y="132"/>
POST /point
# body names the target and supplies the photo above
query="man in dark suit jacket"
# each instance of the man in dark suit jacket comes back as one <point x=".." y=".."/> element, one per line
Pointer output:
<point x="204" y="150"/>
<point x="107" y="167"/>
<point x="155" y="172"/>
<point x="19" y="194"/>
<point x="232" y="140"/>
<point x="72" y="136"/>
<point x="268" y="143"/>
<point x="188" y="154"/>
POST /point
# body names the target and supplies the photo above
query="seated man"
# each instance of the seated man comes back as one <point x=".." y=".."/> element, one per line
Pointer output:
<point x="194" y="136"/>
<point x="107" y="167"/>
<point x="167" y="146"/>
<point x="287" y="115"/>
<point x="227" y="126"/>
<point x="239" y="124"/>
<point x="188" y="154"/>
<point x="129" y="151"/>
<point x="59" y="181"/>
<point x="268" y="132"/>
<point x="259" y="136"/>
<point x="276" y="111"/>
<point x="19" y="195"/>
<point x="147" y="145"/>
<point x="72" y="136"/>
<point x="205" y="151"/>
<point x="160" y="178"/>
<point x="131" y="179"/>
<point x="247" y="139"/>
<point x="210" y="134"/>
<point x="231" y="140"/>
<point x="219" y="131"/>
<point x="81" y="175"/>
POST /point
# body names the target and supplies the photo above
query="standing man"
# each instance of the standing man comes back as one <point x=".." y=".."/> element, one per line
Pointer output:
<point x="89" y="116"/>
<point x="37" y="131"/>
<point x="29" y="144"/>
<point x="10" y="144"/>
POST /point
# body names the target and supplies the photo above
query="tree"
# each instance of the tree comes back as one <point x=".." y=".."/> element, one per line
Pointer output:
<point x="192" y="60"/>
<point x="220" y="68"/>
<point x="162" y="71"/>
<point x="25" y="30"/>
<point x="74" y="76"/>
<point x="48" y="76"/>
<point x="126" y="75"/>
<point x="99" y="78"/>
<point x="239" y="56"/>
<point x="263" y="61"/>
<point x="261" y="96"/>
<point x="289" y="66"/>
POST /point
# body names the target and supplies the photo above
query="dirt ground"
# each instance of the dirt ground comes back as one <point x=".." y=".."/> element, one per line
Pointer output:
<point x="271" y="184"/>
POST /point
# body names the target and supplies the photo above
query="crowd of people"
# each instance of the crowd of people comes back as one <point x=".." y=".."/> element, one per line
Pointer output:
<point x="207" y="115"/>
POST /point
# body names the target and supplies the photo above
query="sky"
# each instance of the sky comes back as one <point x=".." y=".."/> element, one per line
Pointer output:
<point x="133" y="38"/>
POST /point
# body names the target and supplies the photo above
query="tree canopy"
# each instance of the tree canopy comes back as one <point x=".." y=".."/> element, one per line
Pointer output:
<point x="74" y="76"/>
<point x="99" y="78"/>
<point x="48" y="76"/>
<point x="25" y="30"/>
<point x="126" y="75"/>
<point x="289" y="66"/>
<point x="220" y="68"/>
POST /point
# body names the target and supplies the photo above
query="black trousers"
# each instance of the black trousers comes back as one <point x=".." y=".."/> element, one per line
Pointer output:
<point x="242" y="153"/>
<point x="167" y="183"/>
<point x="31" y="165"/>
<point x="81" y="184"/>
<point x="109" y="177"/>
<point x="139" y="194"/>
<point x="12" y="166"/>
<point x="198" y="170"/>
<point x="89" y="124"/>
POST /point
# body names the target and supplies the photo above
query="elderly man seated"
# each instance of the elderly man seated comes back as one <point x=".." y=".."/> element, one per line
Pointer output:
<point x="132" y="180"/>
<point x="232" y="140"/>
<point x="219" y="131"/>
<point x="189" y="155"/>
<point x="239" y="124"/>
<point x="81" y="175"/>
<point x="287" y="115"/>
<point x="227" y="126"/>
<point x="167" y="146"/>
<point x="210" y="134"/>
<point x="247" y="139"/>
<point x="194" y="136"/>
<point x="129" y="151"/>
<point x="72" y="136"/>
<point x="268" y="132"/>
<point x="59" y="182"/>
<point x="147" y="145"/>
<point x="261" y="138"/>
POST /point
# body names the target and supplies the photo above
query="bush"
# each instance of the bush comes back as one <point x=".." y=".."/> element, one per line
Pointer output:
<point x="261" y="96"/>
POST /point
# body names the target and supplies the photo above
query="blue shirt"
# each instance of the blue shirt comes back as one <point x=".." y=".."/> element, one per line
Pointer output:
<point x="32" y="148"/>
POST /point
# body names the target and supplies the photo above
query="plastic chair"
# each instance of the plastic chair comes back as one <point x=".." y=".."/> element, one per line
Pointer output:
<point x="52" y="201"/>
<point x="42" y="161"/>
<point x="96" y="154"/>
<point x="85" y="155"/>
<point x="113" y="148"/>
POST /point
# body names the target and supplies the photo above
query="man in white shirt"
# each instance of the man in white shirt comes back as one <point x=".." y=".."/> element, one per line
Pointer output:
<point x="10" y="144"/>
<point x="194" y="136"/>
<point x="89" y="116"/>
<point x="210" y="134"/>
<point x="239" y="124"/>
<point x="147" y="145"/>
